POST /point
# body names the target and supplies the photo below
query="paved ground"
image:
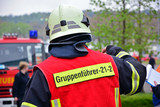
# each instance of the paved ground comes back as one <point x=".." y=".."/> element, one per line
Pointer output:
<point x="147" y="88"/>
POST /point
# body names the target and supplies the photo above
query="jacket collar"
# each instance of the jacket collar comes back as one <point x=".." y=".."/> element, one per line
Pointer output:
<point x="70" y="47"/>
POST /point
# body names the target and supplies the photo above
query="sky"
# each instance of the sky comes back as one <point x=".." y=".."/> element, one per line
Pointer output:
<point x="20" y="7"/>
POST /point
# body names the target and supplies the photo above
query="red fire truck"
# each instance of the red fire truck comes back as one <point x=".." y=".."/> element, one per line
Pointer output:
<point x="12" y="51"/>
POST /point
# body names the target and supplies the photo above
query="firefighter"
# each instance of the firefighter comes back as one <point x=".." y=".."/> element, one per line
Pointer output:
<point x="76" y="76"/>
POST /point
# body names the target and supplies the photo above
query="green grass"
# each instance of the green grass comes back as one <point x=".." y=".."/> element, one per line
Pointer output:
<point x="137" y="100"/>
<point x="144" y="62"/>
<point x="157" y="62"/>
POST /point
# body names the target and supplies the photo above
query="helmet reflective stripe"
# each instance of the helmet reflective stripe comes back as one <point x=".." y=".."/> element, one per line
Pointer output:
<point x="67" y="20"/>
<point x="56" y="26"/>
<point x="56" y="30"/>
<point x="71" y="25"/>
<point x="68" y="23"/>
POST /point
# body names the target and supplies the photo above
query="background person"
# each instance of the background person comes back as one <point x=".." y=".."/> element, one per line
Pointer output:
<point x="20" y="81"/>
<point x="152" y="61"/>
<point x="156" y="101"/>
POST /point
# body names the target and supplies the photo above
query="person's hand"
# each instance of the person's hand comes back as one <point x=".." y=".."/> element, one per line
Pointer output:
<point x="155" y="83"/>
<point x="104" y="50"/>
<point x="15" y="99"/>
<point x="151" y="88"/>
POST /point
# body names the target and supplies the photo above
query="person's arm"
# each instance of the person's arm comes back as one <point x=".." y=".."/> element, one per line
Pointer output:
<point x="156" y="90"/>
<point x="15" y="87"/>
<point x="37" y="93"/>
<point x="132" y="74"/>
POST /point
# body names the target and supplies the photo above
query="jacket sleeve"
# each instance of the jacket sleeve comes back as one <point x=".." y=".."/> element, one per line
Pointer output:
<point x="37" y="92"/>
<point x="156" y="91"/>
<point x="15" y="86"/>
<point x="132" y="73"/>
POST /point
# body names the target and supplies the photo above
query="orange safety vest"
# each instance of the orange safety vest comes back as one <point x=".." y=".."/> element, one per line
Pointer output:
<point x="88" y="81"/>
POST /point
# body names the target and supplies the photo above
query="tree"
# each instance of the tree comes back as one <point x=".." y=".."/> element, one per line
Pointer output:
<point x="9" y="27"/>
<point x="144" y="35"/>
<point x="125" y="24"/>
<point x="37" y="21"/>
<point x="115" y="23"/>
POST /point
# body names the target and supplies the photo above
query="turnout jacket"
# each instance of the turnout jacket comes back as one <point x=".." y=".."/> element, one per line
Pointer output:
<point x="132" y="75"/>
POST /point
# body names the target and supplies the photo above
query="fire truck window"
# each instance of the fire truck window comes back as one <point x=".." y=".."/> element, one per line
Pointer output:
<point x="38" y="53"/>
<point x="12" y="54"/>
<point x="29" y="53"/>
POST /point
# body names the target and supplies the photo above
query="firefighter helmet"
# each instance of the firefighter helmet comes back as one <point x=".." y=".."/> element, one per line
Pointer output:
<point x="66" y="20"/>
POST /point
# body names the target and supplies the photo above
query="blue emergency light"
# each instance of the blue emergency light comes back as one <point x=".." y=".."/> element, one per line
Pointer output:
<point x="2" y="66"/>
<point x="33" y="34"/>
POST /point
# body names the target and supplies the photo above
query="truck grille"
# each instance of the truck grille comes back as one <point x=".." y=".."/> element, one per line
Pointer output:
<point x="5" y="91"/>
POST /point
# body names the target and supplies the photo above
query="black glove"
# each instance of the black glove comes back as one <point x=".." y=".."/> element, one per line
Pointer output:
<point x="108" y="47"/>
<point x="113" y="50"/>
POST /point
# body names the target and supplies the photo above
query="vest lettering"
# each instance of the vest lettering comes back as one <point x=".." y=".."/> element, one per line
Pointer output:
<point x="83" y="74"/>
<point x="57" y="79"/>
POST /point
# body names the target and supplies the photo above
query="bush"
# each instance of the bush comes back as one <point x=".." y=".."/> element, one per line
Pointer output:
<point x="137" y="100"/>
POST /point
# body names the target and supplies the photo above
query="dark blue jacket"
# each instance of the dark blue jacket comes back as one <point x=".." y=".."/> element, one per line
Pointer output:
<point x="19" y="85"/>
